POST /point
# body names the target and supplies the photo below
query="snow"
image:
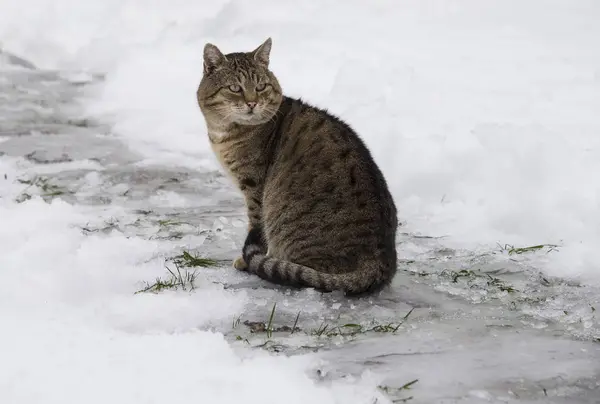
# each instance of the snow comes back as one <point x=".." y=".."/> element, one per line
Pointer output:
<point x="73" y="330"/>
<point x="96" y="365"/>
<point x="483" y="115"/>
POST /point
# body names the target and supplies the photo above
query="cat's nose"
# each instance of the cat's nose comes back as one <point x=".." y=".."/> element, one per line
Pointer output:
<point x="251" y="104"/>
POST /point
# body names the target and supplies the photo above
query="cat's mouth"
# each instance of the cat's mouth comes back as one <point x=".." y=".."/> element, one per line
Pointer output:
<point x="250" y="118"/>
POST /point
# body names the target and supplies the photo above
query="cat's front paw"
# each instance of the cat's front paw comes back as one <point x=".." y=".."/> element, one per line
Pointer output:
<point x="240" y="264"/>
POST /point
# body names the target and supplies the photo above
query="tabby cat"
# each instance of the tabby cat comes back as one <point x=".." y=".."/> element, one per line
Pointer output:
<point x="319" y="209"/>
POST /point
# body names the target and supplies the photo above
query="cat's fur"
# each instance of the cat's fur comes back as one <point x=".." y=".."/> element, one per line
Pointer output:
<point x="320" y="213"/>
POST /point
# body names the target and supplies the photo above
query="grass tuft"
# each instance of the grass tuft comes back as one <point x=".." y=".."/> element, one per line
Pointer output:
<point x="321" y="330"/>
<point x="187" y="260"/>
<point x="236" y="322"/>
<point x="167" y="222"/>
<point x="257" y="327"/>
<point x="294" y="327"/>
<point x="270" y="325"/>
<point x="512" y="250"/>
<point x="501" y="285"/>
<point x="474" y="279"/>
<point x="48" y="190"/>
<point x="240" y="338"/>
<point x="175" y="280"/>
<point x="393" y="391"/>
<point x="351" y="329"/>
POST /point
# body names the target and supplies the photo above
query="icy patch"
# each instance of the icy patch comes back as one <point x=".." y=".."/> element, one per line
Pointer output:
<point x="169" y="199"/>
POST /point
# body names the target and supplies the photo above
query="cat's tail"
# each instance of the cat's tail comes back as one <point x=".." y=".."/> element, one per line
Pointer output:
<point x="369" y="278"/>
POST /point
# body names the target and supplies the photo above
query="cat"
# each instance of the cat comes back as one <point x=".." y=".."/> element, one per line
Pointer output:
<point x="319" y="209"/>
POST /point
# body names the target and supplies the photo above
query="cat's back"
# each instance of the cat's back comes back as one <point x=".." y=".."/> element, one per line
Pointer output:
<point x="322" y="152"/>
<point x="324" y="182"/>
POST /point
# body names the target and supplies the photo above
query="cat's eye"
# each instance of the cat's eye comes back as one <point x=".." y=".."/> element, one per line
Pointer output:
<point x="261" y="87"/>
<point x="235" y="88"/>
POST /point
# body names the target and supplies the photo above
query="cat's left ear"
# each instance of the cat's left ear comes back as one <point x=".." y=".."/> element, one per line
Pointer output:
<point x="213" y="58"/>
<point x="261" y="54"/>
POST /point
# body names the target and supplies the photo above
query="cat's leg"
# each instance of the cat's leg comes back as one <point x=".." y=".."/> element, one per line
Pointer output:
<point x="252" y="195"/>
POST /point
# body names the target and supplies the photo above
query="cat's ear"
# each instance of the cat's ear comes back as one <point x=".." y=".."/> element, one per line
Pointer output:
<point x="213" y="58"/>
<point x="261" y="54"/>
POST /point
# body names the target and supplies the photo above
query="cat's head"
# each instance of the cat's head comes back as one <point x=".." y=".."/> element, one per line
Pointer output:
<point x="238" y="87"/>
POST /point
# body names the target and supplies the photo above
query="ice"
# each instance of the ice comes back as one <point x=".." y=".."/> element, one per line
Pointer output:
<point x="482" y="115"/>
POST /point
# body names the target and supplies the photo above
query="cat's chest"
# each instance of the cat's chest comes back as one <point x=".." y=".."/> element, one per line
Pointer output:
<point x="238" y="159"/>
<point x="226" y="157"/>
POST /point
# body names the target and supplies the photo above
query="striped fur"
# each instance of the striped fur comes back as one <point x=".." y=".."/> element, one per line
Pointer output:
<point x="319" y="210"/>
<point x="366" y="279"/>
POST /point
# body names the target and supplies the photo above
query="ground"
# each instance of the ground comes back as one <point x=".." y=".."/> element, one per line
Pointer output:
<point x="108" y="196"/>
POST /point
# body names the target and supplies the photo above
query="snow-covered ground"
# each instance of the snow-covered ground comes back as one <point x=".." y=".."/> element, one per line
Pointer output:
<point x="482" y="114"/>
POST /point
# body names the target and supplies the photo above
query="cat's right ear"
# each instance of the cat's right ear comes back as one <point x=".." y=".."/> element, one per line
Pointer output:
<point x="213" y="58"/>
<point x="261" y="54"/>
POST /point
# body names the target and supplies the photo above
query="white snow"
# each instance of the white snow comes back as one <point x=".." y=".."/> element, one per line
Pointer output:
<point x="482" y="114"/>
<point x="73" y="331"/>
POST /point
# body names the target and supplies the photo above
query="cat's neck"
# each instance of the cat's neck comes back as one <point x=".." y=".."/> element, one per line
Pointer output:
<point x="220" y="133"/>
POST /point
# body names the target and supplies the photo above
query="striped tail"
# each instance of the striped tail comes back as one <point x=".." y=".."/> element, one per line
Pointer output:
<point x="364" y="280"/>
